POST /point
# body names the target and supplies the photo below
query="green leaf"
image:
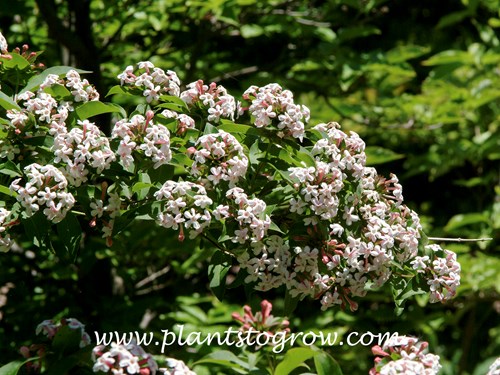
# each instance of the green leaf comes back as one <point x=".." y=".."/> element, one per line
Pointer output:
<point x="290" y="303"/>
<point x="5" y="190"/>
<point x="461" y="220"/>
<point x="10" y="169"/>
<point x="231" y="127"/>
<point x="379" y="155"/>
<point x="37" y="227"/>
<point x="224" y="358"/>
<point x="66" y="340"/>
<point x="326" y="34"/>
<point x="7" y="103"/>
<point x="118" y="90"/>
<point x="138" y="186"/>
<point x="37" y="80"/>
<point x="70" y="234"/>
<point x="403" y="53"/>
<point x="293" y="358"/>
<point x="326" y="364"/>
<point x="17" y="61"/>
<point x="58" y="91"/>
<point x="348" y="33"/>
<point x="12" y="368"/>
<point x="217" y="271"/>
<point x="174" y="100"/>
<point x="453" y="18"/>
<point x="449" y="57"/>
<point x="251" y="31"/>
<point x="95" y="108"/>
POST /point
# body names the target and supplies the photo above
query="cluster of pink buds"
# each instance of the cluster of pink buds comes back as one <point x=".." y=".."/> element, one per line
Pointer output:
<point x="402" y="355"/>
<point x="123" y="359"/>
<point x="262" y="321"/>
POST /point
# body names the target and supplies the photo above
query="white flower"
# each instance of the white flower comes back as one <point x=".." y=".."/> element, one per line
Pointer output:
<point x="3" y="44"/>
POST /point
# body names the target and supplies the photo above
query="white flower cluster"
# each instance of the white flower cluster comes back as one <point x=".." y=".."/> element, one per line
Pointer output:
<point x="369" y="227"/>
<point x="185" y="206"/>
<point x="46" y="186"/>
<point x="441" y="270"/>
<point x="402" y="355"/>
<point x="40" y="109"/>
<point x="80" y="148"/>
<point x="123" y="359"/>
<point x="4" y="47"/>
<point x="219" y="157"/>
<point x="175" y="367"/>
<point x="152" y="80"/>
<point x="184" y="121"/>
<point x="140" y="133"/>
<point x="253" y="222"/>
<point x="271" y="105"/>
<point x="106" y="213"/>
<point x="41" y="104"/>
<point x="5" y="240"/>
<point x="49" y="329"/>
<point x="81" y="89"/>
<point x="212" y="97"/>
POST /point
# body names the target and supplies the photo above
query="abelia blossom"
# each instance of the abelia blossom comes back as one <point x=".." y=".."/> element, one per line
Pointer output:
<point x="81" y="89"/>
<point x="215" y="99"/>
<point x="219" y="157"/>
<point x="82" y="150"/>
<point x="184" y="206"/>
<point x="140" y="134"/>
<point x="153" y="81"/>
<point x="175" y="367"/>
<point x="271" y="105"/>
<point x="4" y="47"/>
<point x="46" y="186"/>
<point x="402" y="355"/>
<point x="184" y="121"/>
<point x="441" y="271"/>
<point x="123" y="359"/>
<point x="5" y="240"/>
<point x="250" y="215"/>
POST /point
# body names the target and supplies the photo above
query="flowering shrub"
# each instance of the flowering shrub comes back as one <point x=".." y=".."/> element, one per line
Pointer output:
<point x="293" y="205"/>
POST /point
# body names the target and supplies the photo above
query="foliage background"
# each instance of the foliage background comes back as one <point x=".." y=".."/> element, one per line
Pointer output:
<point x="420" y="82"/>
